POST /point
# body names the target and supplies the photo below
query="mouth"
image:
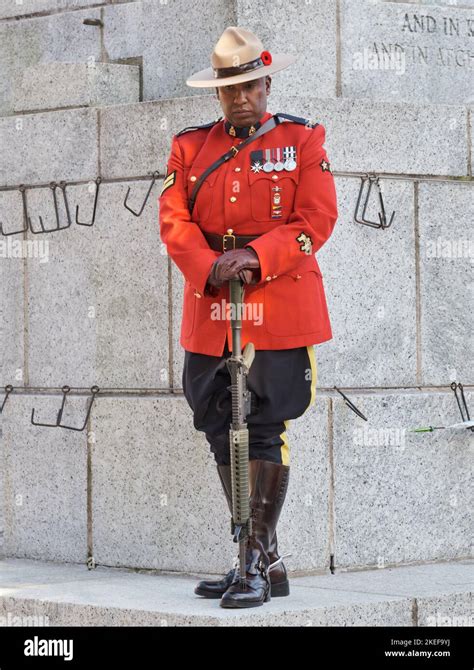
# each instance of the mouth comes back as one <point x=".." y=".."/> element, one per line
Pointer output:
<point x="244" y="112"/>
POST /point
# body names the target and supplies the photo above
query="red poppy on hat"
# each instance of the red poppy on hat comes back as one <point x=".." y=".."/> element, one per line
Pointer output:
<point x="242" y="46"/>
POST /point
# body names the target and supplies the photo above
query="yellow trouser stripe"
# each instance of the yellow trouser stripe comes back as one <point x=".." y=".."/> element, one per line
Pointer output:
<point x="314" y="373"/>
<point x="285" y="448"/>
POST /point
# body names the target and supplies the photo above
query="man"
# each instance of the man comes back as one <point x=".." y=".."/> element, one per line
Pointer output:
<point x="259" y="214"/>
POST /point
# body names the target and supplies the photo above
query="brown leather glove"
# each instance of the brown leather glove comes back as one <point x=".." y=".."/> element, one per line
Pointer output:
<point x="213" y="284"/>
<point x="237" y="263"/>
<point x="230" y="264"/>
<point x="211" y="290"/>
<point x="250" y="276"/>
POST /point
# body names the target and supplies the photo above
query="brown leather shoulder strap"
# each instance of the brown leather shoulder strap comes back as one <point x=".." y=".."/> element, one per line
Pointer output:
<point x="272" y="122"/>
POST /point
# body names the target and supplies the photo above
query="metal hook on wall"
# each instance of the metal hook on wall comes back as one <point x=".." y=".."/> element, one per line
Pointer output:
<point x="372" y="179"/>
<point x="53" y="186"/>
<point x="462" y="408"/>
<point x="351" y="405"/>
<point x="58" y="424"/>
<point x="8" y="390"/>
<point x="94" y="390"/>
<point x="65" y="391"/>
<point x="155" y="176"/>
<point x="466" y="419"/>
<point x="22" y="189"/>
<point x="81" y="223"/>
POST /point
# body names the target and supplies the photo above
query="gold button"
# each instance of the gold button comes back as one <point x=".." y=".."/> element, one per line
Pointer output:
<point x="268" y="278"/>
<point x="193" y="178"/>
<point x="197" y="294"/>
<point x="298" y="276"/>
<point x="274" y="176"/>
<point x="232" y="198"/>
<point x="274" y="276"/>
<point x="237" y="169"/>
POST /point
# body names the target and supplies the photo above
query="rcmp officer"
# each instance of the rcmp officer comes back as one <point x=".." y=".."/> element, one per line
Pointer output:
<point x="256" y="208"/>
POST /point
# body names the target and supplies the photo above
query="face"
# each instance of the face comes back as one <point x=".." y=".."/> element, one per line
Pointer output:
<point x="250" y="96"/>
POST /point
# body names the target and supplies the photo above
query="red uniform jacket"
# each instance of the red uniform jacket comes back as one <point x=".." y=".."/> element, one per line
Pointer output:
<point x="287" y="307"/>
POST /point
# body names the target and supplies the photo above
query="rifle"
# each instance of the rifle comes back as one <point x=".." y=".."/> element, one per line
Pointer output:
<point x="239" y="365"/>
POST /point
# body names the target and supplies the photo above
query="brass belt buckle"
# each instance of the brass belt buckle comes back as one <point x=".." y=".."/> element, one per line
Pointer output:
<point x="228" y="234"/>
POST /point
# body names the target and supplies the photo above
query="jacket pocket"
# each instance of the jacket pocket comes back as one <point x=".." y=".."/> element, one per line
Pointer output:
<point x="189" y="309"/>
<point x="294" y="304"/>
<point x="272" y="192"/>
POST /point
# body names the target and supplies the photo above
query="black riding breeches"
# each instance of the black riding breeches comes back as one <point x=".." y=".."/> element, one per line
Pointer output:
<point x="282" y="383"/>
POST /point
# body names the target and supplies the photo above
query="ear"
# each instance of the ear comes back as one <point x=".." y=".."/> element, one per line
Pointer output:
<point x="268" y="84"/>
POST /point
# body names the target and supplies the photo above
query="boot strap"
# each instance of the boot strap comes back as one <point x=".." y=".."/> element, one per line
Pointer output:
<point x="260" y="565"/>
<point x="270" y="567"/>
<point x="263" y="569"/>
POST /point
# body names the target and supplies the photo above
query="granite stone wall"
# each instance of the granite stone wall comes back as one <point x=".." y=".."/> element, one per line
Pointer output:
<point x="94" y="89"/>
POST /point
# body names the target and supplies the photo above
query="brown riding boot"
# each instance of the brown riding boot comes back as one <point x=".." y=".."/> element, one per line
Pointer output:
<point x="268" y="486"/>
<point x="278" y="576"/>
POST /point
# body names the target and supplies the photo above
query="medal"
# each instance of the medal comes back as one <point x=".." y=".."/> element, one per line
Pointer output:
<point x="256" y="161"/>
<point x="279" y="166"/>
<point x="289" y="154"/>
<point x="268" y="165"/>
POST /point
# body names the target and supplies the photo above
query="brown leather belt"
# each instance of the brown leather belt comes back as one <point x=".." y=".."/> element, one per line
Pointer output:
<point x="228" y="241"/>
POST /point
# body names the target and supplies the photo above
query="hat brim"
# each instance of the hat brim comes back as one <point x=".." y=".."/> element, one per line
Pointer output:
<point x="206" y="79"/>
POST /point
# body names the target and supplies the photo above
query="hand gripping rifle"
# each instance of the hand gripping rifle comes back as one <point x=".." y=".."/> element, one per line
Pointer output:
<point x="239" y="365"/>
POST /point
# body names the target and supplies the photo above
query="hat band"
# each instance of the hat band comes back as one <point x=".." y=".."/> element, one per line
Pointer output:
<point x="221" y="72"/>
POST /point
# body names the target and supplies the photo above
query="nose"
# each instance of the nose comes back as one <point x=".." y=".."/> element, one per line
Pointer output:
<point x="240" y="97"/>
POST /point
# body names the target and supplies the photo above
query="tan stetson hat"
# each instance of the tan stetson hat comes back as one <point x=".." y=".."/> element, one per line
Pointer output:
<point x="237" y="57"/>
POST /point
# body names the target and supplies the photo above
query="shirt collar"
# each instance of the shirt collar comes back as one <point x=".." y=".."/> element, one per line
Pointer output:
<point x="244" y="131"/>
